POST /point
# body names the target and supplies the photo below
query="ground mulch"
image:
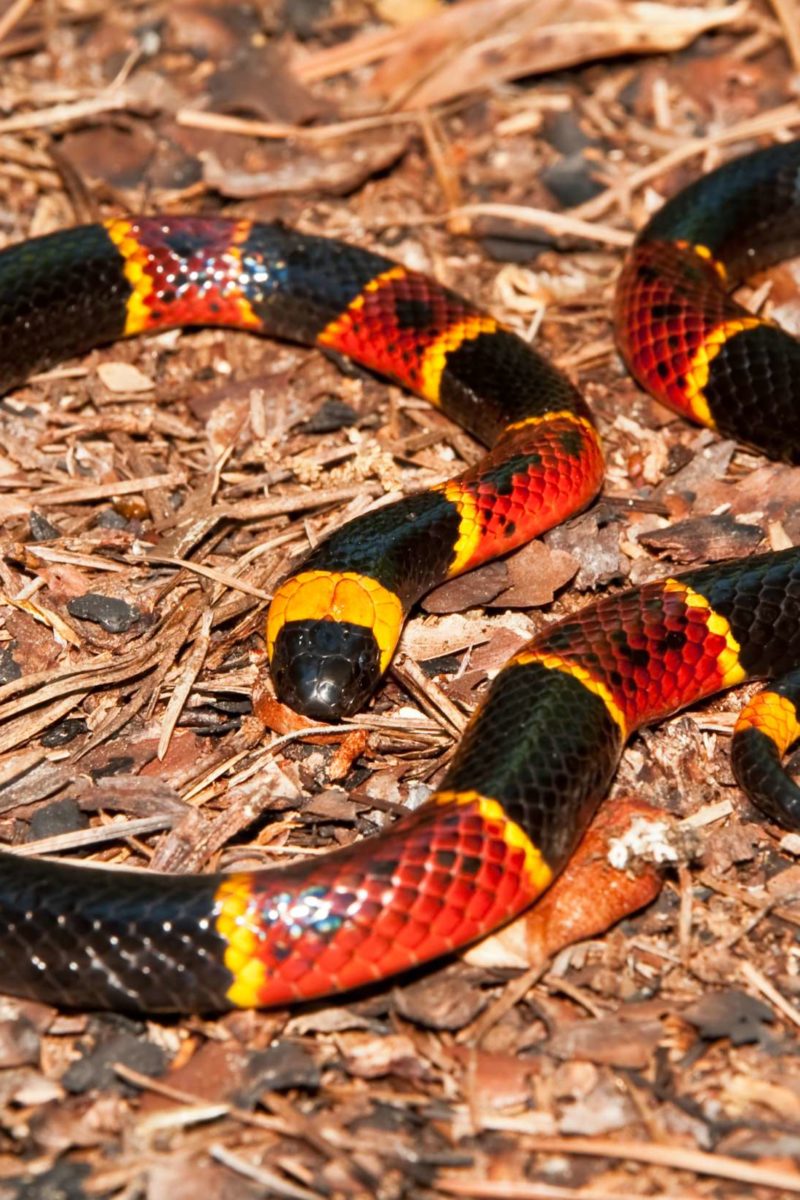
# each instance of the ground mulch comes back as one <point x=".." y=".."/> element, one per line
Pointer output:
<point x="152" y="493"/>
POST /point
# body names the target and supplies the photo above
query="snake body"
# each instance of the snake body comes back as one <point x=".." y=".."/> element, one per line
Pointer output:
<point x="540" y="752"/>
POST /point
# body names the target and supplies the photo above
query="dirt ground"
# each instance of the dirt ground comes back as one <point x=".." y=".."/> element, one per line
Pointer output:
<point x="152" y="493"/>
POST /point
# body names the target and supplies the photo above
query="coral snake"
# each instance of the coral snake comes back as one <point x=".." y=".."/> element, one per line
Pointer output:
<point x="540" y="752"/>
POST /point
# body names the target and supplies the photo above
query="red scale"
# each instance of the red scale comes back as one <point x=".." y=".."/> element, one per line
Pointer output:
<point x="371" y="332"/>
<point x="688" y="285"/>
<point x="175" y="297"/>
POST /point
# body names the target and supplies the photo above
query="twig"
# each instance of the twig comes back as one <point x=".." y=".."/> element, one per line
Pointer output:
<point x="347" y="56"/>
<point x="159" y="1088"/>
<point x="279" y="131"/>
<point x="677" y="1158"/>
<point x="40" y="687"/>
<point x="765" y="123"/>
<point x="30" y="725"/>
<point x="79" y="839"/>
<point x="441" y="161"/>
<point x="94" y="562"/>
<point x="686" y="890"/>
<point x="742" y="896"/>
<point x="61" y="114"/>
<point x="430" y="695"/>
<point x="84" y="492"/>
<point x="253" y="510"/>
<point x="763" y="985"/>
<point x="492" y="19"/>
<point x="553" y="222"/>
<point x="189" y="672"/>
<point x="13" y="16"/>
<point x="511" y="994"/>
<point x="223" y="578"/>
<point x="788" y="13"/>
<point x="275" y="1185"/>
<point x="443" y="28"/>
<point x="496" y="1189"/>
<point x="306" y="1127"/>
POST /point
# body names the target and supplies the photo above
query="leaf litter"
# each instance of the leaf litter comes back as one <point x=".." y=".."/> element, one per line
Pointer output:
<point x="153" y="493"/>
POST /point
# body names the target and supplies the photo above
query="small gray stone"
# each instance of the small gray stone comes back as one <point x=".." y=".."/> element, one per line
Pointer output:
<point x="112" y="614"/>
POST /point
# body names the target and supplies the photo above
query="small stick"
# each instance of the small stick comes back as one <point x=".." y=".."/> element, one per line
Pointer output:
<point x="760" y="981"/>
<point x="439" y="705"/>
<point x="79" y="839"/>
<point x="13" y="16"/>
<point x="785" y="117"/>
<point x="554" y="222"/>
<point x="61" y="114"/>
<point x="223" y="578"/>
<point x="677" y="1158"/>
<point x="788" y="13"/>
<point x="278" y="130"/>
<point x="82" y="493"/>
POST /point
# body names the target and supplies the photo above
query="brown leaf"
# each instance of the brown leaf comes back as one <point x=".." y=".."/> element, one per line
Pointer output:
<point x="731" y="1014"/>
<point x="257" y="83"/>
<point x="442" y="1000"/>
<point x="467" y="591"/>
<point x="482" y="43"/>
<point x="369" y="1057"/>
<point x="705" y="539"/>
<point x="535" y="574"/>
<point x="276" y="169"/>
<point x="493" y="1080"/>
<point x="608" y="1040"/>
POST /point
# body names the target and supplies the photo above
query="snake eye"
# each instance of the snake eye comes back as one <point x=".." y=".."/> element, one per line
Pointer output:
<point x="325" y="669"/>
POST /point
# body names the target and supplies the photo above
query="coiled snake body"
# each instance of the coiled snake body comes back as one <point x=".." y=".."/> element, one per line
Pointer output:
<point x="540" y="752"/>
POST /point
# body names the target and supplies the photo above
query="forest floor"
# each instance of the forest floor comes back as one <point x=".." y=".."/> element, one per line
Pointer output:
<point x="511" y="149"/>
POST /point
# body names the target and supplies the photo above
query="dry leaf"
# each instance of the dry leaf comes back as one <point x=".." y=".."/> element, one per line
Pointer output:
<point x="124" y="377"/>
<point x="471" y="46"/>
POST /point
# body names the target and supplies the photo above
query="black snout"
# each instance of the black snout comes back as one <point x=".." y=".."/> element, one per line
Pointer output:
<point x="325" y="669"/>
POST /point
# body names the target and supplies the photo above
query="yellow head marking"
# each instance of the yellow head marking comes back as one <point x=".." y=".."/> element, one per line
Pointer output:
<point x="338" y="596"/>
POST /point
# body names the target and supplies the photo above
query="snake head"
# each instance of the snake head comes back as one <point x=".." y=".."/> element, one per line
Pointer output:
<point x="325" y="669"/>
<point x="330" y="636"/>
